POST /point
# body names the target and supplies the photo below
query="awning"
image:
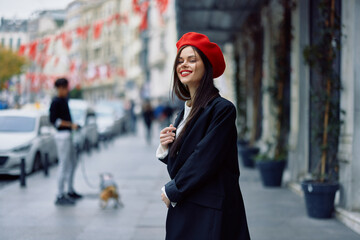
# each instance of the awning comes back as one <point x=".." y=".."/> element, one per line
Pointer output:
<point x="220" y="20"/>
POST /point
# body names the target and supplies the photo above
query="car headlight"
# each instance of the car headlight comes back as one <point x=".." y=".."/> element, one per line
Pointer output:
<point x="22" y="149"/>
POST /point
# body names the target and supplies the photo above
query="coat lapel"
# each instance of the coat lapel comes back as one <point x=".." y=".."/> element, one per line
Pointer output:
<point x="179" y="118"/>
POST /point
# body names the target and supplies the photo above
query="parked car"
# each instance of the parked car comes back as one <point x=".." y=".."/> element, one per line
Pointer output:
<point x="25" y="134"/>
<point x="106" y="120"/>
<point x="82" y="114"/>
<point x="121" y="117"/>
<point x="3" y="105"/>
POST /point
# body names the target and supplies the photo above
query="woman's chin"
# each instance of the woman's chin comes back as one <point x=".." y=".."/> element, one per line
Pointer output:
<point x="185" y="80"/>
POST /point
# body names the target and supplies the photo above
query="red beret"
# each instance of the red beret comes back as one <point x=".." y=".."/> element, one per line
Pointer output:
<point x="211" y="50"/>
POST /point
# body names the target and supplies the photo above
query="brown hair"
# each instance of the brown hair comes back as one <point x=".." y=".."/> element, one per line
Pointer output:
<point x="203" y="95"/>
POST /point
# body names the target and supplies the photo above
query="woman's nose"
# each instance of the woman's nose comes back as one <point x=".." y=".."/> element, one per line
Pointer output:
<point x="184" y="64"/>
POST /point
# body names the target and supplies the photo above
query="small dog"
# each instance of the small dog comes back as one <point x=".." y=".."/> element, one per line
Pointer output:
<point x="109" y="191"/>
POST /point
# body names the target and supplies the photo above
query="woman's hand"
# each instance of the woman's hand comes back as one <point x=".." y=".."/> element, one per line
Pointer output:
<point x="165" y="200"/>
<point x="167" y="136"/>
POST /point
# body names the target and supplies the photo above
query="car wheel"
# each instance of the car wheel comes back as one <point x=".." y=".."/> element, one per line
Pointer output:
<point x="87" y="146"/>
<point x="37" y="162"/>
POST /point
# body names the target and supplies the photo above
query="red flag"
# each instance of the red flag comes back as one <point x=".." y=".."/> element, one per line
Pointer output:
<point x="108" y="71"/>
<point x="136" y="6"/>
<point x="121" y="72"/>
<point x="72" y="66"/>
<point x="22" y="49"/>
<point x="125" y="18"/>
<point x="66" y="40"/>
<point x="45" y="60"/>
<point x="56" y="61"/>
<point x="162" y="5"/>
<point x="144" y="16"/>
<point x="33" y="50"/>
<point x="97" y="29"/>
<point x="80" y="31"/>
<point x="110" y="19"/>
<point x="45" y="42"/>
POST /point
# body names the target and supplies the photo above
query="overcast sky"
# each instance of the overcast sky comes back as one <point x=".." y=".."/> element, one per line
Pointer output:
<point x="23" y="8"/>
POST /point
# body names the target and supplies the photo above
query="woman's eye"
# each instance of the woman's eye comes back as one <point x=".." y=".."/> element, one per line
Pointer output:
<point x="194" y="60"/>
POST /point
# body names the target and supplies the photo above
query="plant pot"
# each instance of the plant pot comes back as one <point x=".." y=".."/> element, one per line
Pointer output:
<point x="271" y="172"/>
<point x="247" y="156"/>
<point x="319" y="198"/>
<point x="242" y="143"/>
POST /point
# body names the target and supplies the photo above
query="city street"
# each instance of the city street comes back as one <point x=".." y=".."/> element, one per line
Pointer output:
<point x="30" y="213"/>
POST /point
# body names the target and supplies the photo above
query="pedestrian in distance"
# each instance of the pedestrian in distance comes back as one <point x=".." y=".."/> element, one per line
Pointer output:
<point x="60" y="117"/>
<point x="148" y="117"/>
<point x="132" y="117"/>
<point x="168" y="113"/>
<point x="203" y="197"/>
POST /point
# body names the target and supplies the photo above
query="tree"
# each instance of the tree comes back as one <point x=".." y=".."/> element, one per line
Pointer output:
<point x="10" y="64"/>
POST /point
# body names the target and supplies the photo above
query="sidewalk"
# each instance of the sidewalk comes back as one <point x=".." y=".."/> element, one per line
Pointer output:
<point x="279" y="214"/>
<point x="30" y="213"/>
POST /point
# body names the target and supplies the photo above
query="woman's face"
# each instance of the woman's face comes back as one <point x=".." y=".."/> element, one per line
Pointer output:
<point x="190" y="68"/>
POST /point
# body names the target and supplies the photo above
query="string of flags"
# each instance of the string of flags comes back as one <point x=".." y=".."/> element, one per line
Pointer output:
<point x="37" y="50"/>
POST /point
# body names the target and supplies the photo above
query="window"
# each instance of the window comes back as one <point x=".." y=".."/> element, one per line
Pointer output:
<point x="17" y="124"/>
<point x="10" y="43"/>
<point x="18" y="43"/>
<point x="2" y="42"/>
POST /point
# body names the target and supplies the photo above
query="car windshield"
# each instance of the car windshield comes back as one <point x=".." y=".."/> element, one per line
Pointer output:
<point x="104" y="114"/>
<point x="17" y="124"/>
<point x="77" y="115"/>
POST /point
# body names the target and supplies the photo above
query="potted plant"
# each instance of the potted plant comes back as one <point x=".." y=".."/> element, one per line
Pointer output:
<point x="271" y="169"/>
<point x="272" y="162"/>
<point x="319" y="192"/>
<point x="248" y="85"/>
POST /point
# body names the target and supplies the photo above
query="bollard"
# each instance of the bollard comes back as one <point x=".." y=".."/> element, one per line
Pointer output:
<point x="46" y="165"/>
<point x="22" y="173"/>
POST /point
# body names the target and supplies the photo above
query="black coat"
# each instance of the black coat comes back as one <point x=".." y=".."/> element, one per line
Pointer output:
<point x="205" y="179"/>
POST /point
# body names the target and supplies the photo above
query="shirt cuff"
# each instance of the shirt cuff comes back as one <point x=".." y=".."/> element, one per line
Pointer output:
<point x="161" y="153"/>
<point x="58" y="123"/>
<point x="173" y="204"/>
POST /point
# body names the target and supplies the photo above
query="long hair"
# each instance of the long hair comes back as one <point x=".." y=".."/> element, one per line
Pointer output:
<point x="203" y="95"/>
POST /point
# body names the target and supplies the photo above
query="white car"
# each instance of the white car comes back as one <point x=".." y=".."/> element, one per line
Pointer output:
<point x="119" y="113"/>
<point x="25" y="134"/>
<point x="106" y="120"/>
<point x="82" y="114"/>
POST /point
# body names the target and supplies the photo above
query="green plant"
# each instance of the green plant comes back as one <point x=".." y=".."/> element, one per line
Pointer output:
<point x="269" y="156"/>
<point x="321" y="57"/>
<point x="248" y="82"/>
<point x="278" y="90"/>
<point x="10" y="64"/>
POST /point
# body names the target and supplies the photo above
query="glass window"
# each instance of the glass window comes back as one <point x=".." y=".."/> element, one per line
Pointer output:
<point x="10" y="43"/>
<point x="18" y="43"/>
<point x="17" y="124"/>
<point x="3" y="42"/>
<point x="78" y="115"/>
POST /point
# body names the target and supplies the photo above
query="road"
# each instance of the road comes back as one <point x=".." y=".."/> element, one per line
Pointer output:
<point x="30" y="213"/>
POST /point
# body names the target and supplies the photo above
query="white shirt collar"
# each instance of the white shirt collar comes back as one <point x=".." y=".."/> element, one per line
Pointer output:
<point x="187" y="110"/>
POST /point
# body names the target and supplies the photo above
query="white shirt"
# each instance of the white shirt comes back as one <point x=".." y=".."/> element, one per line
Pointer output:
<point x="161" y="153"/>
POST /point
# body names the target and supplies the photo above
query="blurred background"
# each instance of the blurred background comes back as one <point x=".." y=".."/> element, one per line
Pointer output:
<point x="292" y="73"/>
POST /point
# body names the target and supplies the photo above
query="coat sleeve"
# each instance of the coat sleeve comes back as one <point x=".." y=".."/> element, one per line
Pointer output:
<point x="53" y="112"/>
<point x="207" y="157"/>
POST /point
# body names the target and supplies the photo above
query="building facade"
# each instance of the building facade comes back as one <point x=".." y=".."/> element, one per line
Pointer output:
<point x="254" y="30"/>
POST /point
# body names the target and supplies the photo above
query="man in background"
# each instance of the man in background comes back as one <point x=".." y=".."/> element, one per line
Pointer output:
<point x="60" y="117"/>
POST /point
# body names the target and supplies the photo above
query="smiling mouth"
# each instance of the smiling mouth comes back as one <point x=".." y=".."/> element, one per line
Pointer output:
<point x="185" y="73"/>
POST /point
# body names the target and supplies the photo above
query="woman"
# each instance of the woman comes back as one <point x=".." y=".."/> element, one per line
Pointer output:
<point x="200" y="151"/>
